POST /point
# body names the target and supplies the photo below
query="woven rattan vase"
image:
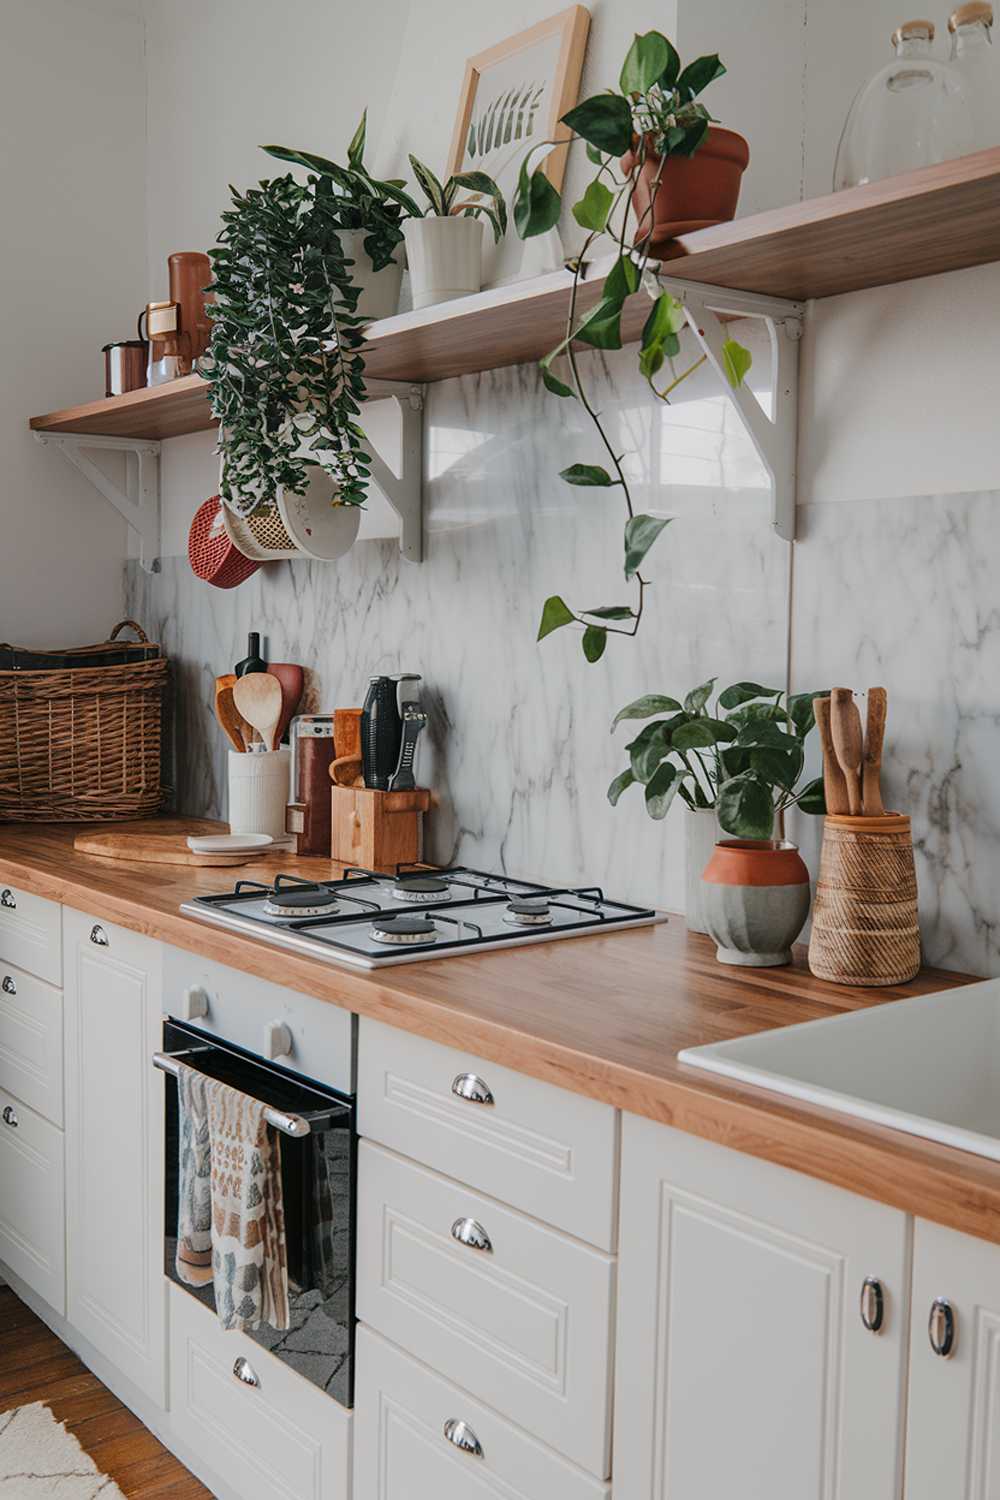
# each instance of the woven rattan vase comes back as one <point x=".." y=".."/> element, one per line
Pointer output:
<point x="865" y="928"/>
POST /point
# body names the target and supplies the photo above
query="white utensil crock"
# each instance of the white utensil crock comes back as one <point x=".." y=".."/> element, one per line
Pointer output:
<point x="259" y="791"/>
<point x="445" y="256"/>
<point x="701" y="832"/>
<point x="379" y="289"/>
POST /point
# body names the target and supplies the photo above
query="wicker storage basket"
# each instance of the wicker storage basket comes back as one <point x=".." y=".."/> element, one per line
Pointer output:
<point x="864" y="928"/>
<point x="81" y="744"/>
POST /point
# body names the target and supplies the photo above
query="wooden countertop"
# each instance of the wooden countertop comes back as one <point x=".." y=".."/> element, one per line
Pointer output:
<point x="603" y="1015"/>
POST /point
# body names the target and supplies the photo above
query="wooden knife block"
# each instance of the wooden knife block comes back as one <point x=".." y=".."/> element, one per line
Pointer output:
<point x="377" y="830"/>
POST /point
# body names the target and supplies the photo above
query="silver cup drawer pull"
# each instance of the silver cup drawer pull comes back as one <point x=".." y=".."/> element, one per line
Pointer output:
<point x="245" y="1373"/>
<point x="872" y="1304"/>
<point x="470" y="1232"/>
<point x="941" y="1327"/>
<point x="8" y="986"/>
<point x="98" y="936"/>
<point x="471" y="1087"/>
<point x="7" y="899"/>
<point x="462" y="1436"/>
<point x="9" y="1116"/>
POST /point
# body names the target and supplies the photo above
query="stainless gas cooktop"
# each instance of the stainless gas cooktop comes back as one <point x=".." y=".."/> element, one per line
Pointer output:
<point x="371" y="920"/>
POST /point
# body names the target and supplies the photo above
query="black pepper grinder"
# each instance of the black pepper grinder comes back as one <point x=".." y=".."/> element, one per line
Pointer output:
<point x="381" y="732"/>
<point x="253" y="661"/>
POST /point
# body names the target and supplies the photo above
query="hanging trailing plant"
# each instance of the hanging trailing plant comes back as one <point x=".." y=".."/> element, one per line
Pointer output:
<point x="654" y="115"/>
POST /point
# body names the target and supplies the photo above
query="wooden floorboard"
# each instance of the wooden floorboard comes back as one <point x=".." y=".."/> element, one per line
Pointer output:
<point x="37" y="1366"/>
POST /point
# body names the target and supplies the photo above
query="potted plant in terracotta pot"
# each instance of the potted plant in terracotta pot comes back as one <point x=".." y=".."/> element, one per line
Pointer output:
<point x="736" y="767"/>
<point x="444" y="245"/>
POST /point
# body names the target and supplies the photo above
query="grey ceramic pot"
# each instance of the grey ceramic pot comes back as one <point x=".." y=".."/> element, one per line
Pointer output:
<point x="755" y="900"/>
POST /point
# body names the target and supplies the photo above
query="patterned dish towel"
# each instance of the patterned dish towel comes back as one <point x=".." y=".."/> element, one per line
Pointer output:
<point x="194" y="1217"/>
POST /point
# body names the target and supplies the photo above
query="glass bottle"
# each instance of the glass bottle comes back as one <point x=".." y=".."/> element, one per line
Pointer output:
<point x="972" y="53"/>
<point x="253" y="661"/>
<point x="913" y="113"/>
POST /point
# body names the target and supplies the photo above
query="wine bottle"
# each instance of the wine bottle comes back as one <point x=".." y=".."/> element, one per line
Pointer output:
<point x="253" y="661"/>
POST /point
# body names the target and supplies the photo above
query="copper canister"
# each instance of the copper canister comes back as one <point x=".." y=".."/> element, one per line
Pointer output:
<point x="190" y="273"/>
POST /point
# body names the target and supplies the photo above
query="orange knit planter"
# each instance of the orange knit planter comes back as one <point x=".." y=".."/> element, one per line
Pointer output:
<point x="694" y="191"/>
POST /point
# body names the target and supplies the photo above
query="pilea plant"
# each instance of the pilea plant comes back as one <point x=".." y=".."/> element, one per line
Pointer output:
<point x="744" y="758"/>
<point x="654" y="115"/>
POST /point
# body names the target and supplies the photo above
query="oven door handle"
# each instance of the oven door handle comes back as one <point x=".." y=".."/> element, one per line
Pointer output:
<point x="295" y="1125"/>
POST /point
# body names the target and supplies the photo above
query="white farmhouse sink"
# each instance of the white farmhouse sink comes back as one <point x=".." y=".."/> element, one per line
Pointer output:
<point x="930" y="1065"/>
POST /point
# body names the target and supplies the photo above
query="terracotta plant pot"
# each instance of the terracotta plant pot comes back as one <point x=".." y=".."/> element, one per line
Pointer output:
<point x="755" y="900"/>
<point x="694" y="192"/>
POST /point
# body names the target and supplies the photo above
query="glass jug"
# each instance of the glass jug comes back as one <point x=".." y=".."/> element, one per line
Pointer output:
<point x="972" y="53"/>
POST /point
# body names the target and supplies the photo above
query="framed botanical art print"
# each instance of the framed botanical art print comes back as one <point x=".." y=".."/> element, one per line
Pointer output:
<point x="513" y="97"/>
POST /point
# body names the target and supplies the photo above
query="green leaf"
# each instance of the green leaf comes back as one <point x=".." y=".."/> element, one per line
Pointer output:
<point x="800" y="708"/>
<point x="392" y="189"/>
<point x="691" y="138"/>
<point x="621" y="783"/>
<point x="648" y="749"/>
<point x="602" y="328"/>
<point x="759" y="713"/>
<point x="478" y="182"/>
<point x="699" y="696"/>
<point x="813" y="798"/>
<point x="645" y="707"/>
<point x="701" y="733"/>
<point x="605" y="121"/>
<point x="644" y="62"/>
<point x="433" y="191"/>
<point x="622" y="280"/>
<point x="698" y="75"/>
<point x="745" y="692"/>
<point x="779" y="767"/>
<point x="321" y="165"/>
<point x="591" y="212"/>
<point x="610" y="612"/>
<point x="595" y="638"/>
<point x="553" y="383"/>
<point x="537" y="205"/>
<point x="587" y="475"/>
<point x="764" y="732"/>
<point x="640" y="534"/>
<point x="668" y="77"/>
<point x="555" y="613"/>
<point x="597" y="157"/>
<point x="356" y="149"/>
<point x="661" y="789"/>
<point x="651" y="360"/>
<point x="666" y="317"/>
<point x="736" y="362"/>
<point x="745" y="809"/>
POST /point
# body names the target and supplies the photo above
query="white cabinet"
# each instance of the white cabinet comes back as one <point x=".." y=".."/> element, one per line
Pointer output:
<point x="31" y="1041"/>
<point x="30" y="933"/>
<point x="743" y="1365"/>
<point x="954" y="1404"/>
<point x="32" y="1229"/>
<point x="114" y="1147"/>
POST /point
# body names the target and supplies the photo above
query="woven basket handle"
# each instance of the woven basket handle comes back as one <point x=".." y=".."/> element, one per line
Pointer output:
<point x="132" y="625"/>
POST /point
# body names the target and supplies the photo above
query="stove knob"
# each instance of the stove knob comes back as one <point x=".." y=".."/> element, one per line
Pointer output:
<point x="194" y="1003"/>
<point x="277" y="1040"/>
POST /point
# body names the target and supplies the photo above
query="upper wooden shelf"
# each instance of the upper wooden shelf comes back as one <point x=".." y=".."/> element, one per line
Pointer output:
<point x="941" y="218"/>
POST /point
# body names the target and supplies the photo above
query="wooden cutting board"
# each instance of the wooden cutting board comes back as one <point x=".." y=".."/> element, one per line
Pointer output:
<point x="158" y="849"/>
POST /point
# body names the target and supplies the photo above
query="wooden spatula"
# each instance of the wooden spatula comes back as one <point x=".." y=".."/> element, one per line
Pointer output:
<point x="845" y="726"/>
<point x="871" y="770"/>
<point x="236" y="728"/>
<point x="292" y="679"/>
<point x="834" y="785"/>
<point x="257" y="696"/>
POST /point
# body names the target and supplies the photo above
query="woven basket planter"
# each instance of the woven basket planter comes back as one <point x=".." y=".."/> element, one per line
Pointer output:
<point x="81" y="744"/>
<point x="865" y="929"/>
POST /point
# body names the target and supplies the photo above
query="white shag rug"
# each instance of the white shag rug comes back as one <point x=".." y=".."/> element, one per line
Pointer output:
<point x="38" y="1456"/>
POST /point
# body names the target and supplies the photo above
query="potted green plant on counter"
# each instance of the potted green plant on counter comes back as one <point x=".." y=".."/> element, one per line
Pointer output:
<point x="444" y="243"/>
<point x="648" y="128"/>
<point x="736" y="765"/>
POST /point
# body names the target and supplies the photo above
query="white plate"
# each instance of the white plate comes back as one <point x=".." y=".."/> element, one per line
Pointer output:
<point x="228" y="843"/>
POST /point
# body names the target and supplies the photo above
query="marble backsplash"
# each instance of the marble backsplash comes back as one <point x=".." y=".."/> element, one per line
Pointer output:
<point x="518" y="749"/>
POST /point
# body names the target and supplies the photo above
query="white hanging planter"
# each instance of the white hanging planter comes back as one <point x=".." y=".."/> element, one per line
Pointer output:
<point x="317" y="525"/>
<point x="379" y="289"/>
<point x="445" y="256"/>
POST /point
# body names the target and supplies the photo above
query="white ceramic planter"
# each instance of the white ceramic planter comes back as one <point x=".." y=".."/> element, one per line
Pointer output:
<point x="379" y="289"/>
<point x="445" y="257"/>
<point x="259" y="791"/>
<point x="701" y="829"/>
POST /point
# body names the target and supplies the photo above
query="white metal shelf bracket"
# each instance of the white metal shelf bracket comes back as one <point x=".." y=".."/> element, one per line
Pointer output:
<point x="404" y="491"/>
<point x="139" y="501"/>
<point x="775" y="437"/>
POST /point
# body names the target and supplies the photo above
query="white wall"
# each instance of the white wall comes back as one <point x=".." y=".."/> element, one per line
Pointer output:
<point x="72" y="118"/>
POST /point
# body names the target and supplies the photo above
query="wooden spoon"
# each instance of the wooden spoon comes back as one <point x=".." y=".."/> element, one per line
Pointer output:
<point x="834" y="785"/>
<point x="845" y="726"/>
<point x="871" y="770"/>
<point x="236" y="728"/>
<point x="292" y="679"/>
<point x="258" y="697"/>
<point x="346" y="771"/>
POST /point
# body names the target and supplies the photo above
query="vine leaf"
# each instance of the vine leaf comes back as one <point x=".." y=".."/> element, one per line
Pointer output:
<point x="605" y="121"/>
<point x="645" y="707"/>
<point x="602" y="328"/>
<point x="587" y="475"/>
<point x="661" y="789"/>
<point x="622" y="781"/>
<point x="736" y="362"/>
<point x="555" y="613"/>
<point x="553" y="383"/>
<point x="696" y="699"/>
<point x="593" y="208"/>
<point x="610" y="612"/>
<point x="640" y="534"/>
<point x="595" y="638"/>
<point x="645" y="61"/>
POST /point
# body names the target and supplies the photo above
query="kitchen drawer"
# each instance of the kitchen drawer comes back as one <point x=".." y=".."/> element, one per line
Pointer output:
<point x="32" y="1199"/>
<point x="31" y="933"/>
<point x="550" y="1152"/>
<point x="401" y="1451"/>
<point x="31" y="1041"/>
<point x="278" y="1438"/>
<point x="524" y="1325"/>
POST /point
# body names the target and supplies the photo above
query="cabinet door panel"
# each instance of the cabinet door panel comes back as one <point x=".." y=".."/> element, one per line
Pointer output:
<point x="114" y="1148"/>
<point x="32" y="1216"/>
<point x="743" y="1364"/>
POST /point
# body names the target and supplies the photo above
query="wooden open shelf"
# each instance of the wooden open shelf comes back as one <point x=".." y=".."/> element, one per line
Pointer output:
<point x="942" y="218"/>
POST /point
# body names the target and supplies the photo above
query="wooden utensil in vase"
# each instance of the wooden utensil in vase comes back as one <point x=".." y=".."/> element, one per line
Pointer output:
<point x="871" y="770"/>
<point x="258" y="697"/>
<point x="345" y="769"/>
<point x="235" y="727"/>
<point x="292" y="680"/>
<point x="848" y="741"/>
<point x="834" y="784"/>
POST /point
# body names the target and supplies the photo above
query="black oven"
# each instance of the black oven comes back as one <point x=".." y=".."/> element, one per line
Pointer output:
<point x="318" y="1159"/>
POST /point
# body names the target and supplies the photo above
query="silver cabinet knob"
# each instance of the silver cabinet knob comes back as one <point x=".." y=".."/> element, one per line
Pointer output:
<point x="872" y="1304"/>
<point x="245" y="1373"/>
<point x="9" y="1117"/>
<point x="462" y="1435"/>
<point x="470" y="1086"/>
<point x="98" y="936"/>
<point x="8" y="986"/>
<point x="7" y="899"/>
<point x="941" y="1327"/>
<point x="470" y="1232"/>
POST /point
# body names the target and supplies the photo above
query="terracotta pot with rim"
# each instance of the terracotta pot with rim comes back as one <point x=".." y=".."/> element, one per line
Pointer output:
<point x="755" y="900"/>
<point x="694" y="191"/>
